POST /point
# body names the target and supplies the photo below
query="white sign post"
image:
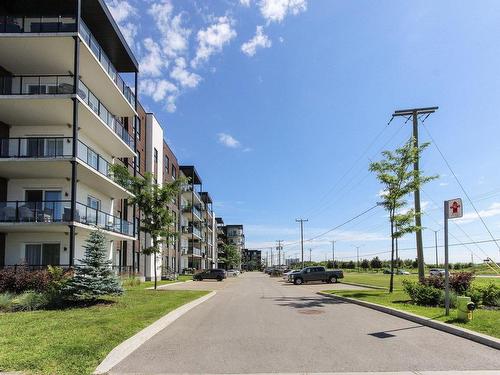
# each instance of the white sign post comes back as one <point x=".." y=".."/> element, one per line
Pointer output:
<point x="452" y="210"/>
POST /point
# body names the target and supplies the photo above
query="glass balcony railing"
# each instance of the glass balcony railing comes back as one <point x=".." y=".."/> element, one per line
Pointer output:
<point x="193" y="250"/>
<point x="37" y="24"/>
<point x="60" y="211"/>
<point x="36" y="147"/>
<point x="92" y="216"/>
<point x="106" y="63"/>
<point x="54" y="85"/>
<point x="107" y="117"/>
<point x="53" y="147"/>
<point x="36" y="85"/>
<point x="57" y="24"/>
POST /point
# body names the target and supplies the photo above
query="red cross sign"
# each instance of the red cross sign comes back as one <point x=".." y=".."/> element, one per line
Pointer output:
<point x="455" y="208"/>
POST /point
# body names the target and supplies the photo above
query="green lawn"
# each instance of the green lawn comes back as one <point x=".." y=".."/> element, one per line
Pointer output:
<point x="382" y="280"/>
<point x="484" y="321"/>
<point x="75" y="341"/>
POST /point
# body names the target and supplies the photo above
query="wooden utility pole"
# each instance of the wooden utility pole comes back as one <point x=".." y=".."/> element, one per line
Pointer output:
<point x="301" y="221"/>
<point x="413" y="114"/>
<point x="279" y="251"/>
<point x="333" y="254"/>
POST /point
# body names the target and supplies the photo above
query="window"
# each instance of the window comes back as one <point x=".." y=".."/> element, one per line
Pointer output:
<point x="93" y="202"/>
<point x="166" y="163"/>
<point x="42" y="254"/>
<point x="155" y="161"/>
<point x="174" y="172"/>
<point x="138" y="162"/>
<point x="138" y="128"/>
<point x="92" y="158"/>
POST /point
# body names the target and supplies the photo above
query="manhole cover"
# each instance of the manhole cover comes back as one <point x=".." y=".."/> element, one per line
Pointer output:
<point x="310" y="312"/>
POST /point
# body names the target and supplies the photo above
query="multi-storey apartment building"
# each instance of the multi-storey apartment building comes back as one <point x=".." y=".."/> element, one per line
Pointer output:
<point x="251" y="259"/>
<point x="236" y="237"/>
<point x="191" y="219"/>
<point x="209" y="249"/>
<point x="66" y="115"/>
<point x="221" y="240"/>
<point x="170" y="261"/>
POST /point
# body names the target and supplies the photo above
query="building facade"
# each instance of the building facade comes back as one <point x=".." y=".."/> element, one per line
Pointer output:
<point x="251" y="260"/>
<point x="65" y="116"/>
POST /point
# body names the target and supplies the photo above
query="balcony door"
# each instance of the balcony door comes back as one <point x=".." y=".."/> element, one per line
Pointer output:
<point x="43" y="254"/>
<point x="44" y="147"/>
<point x="42" y="205"/>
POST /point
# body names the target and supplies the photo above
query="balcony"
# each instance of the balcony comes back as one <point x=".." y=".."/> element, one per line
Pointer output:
<point x="52" y="110"/>
<point x="47" y="157"/>
<point x="195" y="231"/>
<point x="192" y="211"/>
<point x="105" y="62"/>
<point x="47" y="212"/>
<point x="194" y="250"/>
<point x="47" y="37"/>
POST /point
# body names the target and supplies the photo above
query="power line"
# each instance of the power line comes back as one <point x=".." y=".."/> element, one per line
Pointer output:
<point x="334" y="228"/>
<point x="461" y="187"/>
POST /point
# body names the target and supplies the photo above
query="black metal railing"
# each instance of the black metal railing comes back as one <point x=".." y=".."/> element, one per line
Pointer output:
<point x="60" y="211"/>
<point x="36" y="85"/>
<point x="37" y="24"/>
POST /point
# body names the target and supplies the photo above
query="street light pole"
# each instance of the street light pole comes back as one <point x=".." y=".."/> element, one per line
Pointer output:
<point x="357" y="256"/>
<point x="436" y="243"/>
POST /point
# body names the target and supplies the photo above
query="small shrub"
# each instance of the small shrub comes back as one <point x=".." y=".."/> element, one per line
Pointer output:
<point x="476" y="295"/>
<point x="460" y="282"/>
<point x="453" y="299"/>
<point x="29" y="301"/>
<point x="56" y="288"/>
<point x="422" y="294"/>
<point x="491" y="295"/>
<point x="6" y="301"/>
<point x="435" y="281"/>
<point x="22" y="279"/>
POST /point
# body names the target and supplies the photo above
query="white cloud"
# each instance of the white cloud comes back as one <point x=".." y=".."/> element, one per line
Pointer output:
<point x="212" y="39"/>
<point x="184" y="77"/>
<point x="443" y="184"/>
<point x="281" y="39"/>
<point x="228" y="140"/>
<point x="157" y="89"/>
<point x="493" y="210"/>
<point x="277" y="10"/>
<point x="260" y="40"/>
<point x="152" y="62"/>
<point x="122" y="11"/>
<point x="245" y="3"/>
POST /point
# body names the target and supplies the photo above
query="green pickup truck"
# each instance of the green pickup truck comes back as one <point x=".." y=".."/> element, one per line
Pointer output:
<point x="316" y="274"/>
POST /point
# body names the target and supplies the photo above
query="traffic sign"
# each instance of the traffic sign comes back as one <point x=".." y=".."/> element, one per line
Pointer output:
<point x="455" y="209"/>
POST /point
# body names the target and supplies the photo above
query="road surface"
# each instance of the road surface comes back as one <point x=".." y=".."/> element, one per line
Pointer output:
<point x="255" y="324"/>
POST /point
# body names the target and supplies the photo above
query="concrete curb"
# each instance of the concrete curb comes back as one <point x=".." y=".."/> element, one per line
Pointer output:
<point x="120" y="352"/>
<point x="363" y="285"/>
<point x="448" y="328"/>
<point x="164" y="286"/>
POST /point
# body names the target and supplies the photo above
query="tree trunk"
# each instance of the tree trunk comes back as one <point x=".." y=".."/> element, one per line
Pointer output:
<point x="391" y="284"/>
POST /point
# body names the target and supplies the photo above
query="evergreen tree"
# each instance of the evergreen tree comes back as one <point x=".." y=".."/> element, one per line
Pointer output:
<point x="94" y="277"/>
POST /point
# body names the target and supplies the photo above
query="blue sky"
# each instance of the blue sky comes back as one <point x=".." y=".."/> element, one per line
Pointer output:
<point x="278" y="103"/>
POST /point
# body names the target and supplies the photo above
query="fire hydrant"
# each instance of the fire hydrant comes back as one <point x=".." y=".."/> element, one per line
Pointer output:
<point x="465" y="307"/>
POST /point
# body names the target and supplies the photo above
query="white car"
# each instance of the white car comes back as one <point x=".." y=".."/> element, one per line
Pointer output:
<point x="289" y="275"/>
<point x="232" y="273"/>
<point x="436" y="272"/>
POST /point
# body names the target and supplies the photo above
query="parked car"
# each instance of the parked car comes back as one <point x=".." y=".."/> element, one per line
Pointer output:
<point x="214" y="274"/>
<point x="286" y="273"/>
<point x="387" y="272"/>
<point x="402" y="272"/>
<point x="290" y="275"/>
<point x="316" y="274"/>
<point x="436" y="272"/>
<point x="233" y="273"/>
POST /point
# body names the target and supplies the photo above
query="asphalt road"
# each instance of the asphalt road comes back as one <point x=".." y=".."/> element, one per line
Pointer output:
<point x="255" y="324"/>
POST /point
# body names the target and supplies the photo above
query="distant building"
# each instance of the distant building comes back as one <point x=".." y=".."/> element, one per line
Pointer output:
<point x="251" y="260"/>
